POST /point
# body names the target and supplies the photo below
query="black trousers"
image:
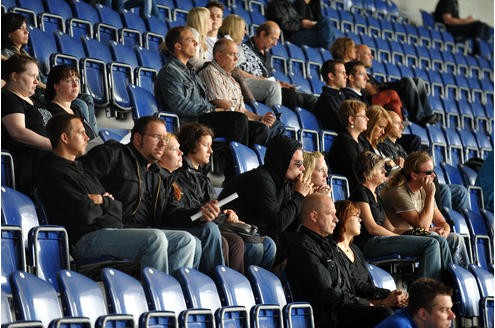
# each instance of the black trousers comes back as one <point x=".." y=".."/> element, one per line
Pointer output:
<point x="472" y="30"/>
<point x="362" y="316"/>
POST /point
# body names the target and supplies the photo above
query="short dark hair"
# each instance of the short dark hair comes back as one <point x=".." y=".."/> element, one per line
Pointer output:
<point x="266" y="27"/>
<point x="217" y="4"/>
<point x="366" y="164"/>
<point x="329" y="67"/>
<point x="220" y="45"/>
<point x="348" y="108"/>
<point x="57" y="74"/>
<point x="58" y="124"/>
<point x="141" y="124"/>
<point x="351" y="67"/>
<point x="190" y="134"/>
<point x="16" y="64"/>
<point x="10" y="23"/>
<point x="422" y="291"/>
<point x="173" y="36"/>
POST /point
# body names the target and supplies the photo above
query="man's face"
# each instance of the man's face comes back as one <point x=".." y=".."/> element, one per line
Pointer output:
<point x="227" y="58"/>
<point x="151" y="144"/>
<point x="359" y="79"/>
<point x="296" y="166"/>
<point x="425" y="171"/>
<point x="339" y="78"/>
<point x="216" y="15"/>
<point x="364" y="55"/>
<point x="397" y="127"/>
<point x="326" y="218"/>
<point x="267" y="41"/>
<point x="77" y="140"/>
<point x="187" y="46"/>
<point x="441" y="314"/>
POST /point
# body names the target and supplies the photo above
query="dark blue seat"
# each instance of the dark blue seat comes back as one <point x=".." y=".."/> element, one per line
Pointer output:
<point x="469" y="175"/>
<point x="42" y="45"/>
<point x="83" y="297"/>
<point x="260" y="152"/>
<point x="157" y="29"/>
<point x="310" y="131"/>
<point x="164" y="293"/>
<point x="460" y="227"/>
<point x="8" y="174"/>
<point x="481" y="240"/>
<point x="280" y="58"/>
<point x="235" y="290"/>
<point x="149" y="58"/>
<point x="466" y="295"/>
<point x="245" y="159"/>
<point x="297" y="60"/>
<point x="381" y="278"/>
<point x="200" y="292"/>
<point x="125" y="295"/>
<point x="126" y="35"/>
<point x="485" y="146"/>
<point x="438" y="144"/>
<point x="340" y="187"/>
<point x="452" y="174"/>
<point x="456" y="151"/>
<point x="36" y="299"/>
<point x="112" y="134"/>
<point x="289" y="119"/>
<point x="268" y="289"/>
<point x="470" y="144"/>
<point x="420" y="132"/>
<point x="7" y="317"/>
<point x="12" y="254"/>
<point x="101" y="31"/>
<point x="143" y="103"/>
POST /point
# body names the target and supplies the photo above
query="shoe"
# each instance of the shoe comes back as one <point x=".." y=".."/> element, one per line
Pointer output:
<point x="431" y="119"/>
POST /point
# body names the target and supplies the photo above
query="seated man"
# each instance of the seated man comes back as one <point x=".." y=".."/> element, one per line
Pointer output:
<point x="258" y="63"/>
<point x="129" y="172"/>
<point x="327" y="107"/>
<point x="75" y="198"/>
<point x="357" y="79"/>
<point x="222" y="90"/>
<point x="412" y="92"/>
<point x="318" y="274"/>
<point x="430" y="305"/>
<point x="297" y="28"/>
<point x="270" y="196"/>
<point x="180" y="90"/>
<point x="409" y="201"/>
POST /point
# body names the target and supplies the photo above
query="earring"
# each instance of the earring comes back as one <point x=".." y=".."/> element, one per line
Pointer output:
<point x="352" y="126"/>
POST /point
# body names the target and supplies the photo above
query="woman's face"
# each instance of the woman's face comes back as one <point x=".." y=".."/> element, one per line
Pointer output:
<point x="172" y="156"/>
<point x="378" y="176"/>
<point x="320" y="173"/>
<point x="353" y="225"/>
<point x="68" y="88"/>
<point x="361" y="121"/>
<point x="202" y="152"/>
<point x="20" y="36"/>
<point x="27" y="81"/>
<point x="379" y="129"/>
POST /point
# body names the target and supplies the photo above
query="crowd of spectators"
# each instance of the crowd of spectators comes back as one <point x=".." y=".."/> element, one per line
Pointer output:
<point x="137" y="201"/>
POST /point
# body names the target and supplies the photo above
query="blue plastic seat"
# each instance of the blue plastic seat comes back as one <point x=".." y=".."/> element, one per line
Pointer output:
<point x="310" y="131"/>
<point x="481" y="240"/>
<point x="36" y="299"/>
<point x="290" y="120"/>
<point x="143" y="103"/>
<point x="12" y="254"/>
<point x="82" y="297"/>
<point x="438" y="144"/>
<point x="7" y="317"/>
<point x="420" y="132"/>
<point x="157" y="30"/>
<point x="126" y="35"/>
<point x="164" y="293"/>
<point x="456" y="151"/>
<point x="280" y="58"/>
<point x="268" y="289"/>
<point x="42" y="45"/>
<point x="8" y="174"/>
<point x="466" y="295"/>
<point x="260" y="152"/>
<point x="460" y="227"/>
<point x="485" y="283"/>
<point x="340" y="187"/>
<point x="125" y="295"/>
<point x="149" y="58"/>
<point x="381" y="278"/>
<point x="101" y="31"/>
<point x="245" y="159"/>
<point x="470" y="144"/>
<point x="485" y="146"/>
<point x="200" y="292"/>
<point x="112" y="134"/>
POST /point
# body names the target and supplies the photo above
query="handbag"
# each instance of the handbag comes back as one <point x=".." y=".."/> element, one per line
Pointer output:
<point x="248" y="232"/>
<point x="417" y="232"/>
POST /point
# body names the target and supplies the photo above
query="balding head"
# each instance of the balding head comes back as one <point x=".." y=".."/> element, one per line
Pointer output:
<point x="226" y="53"/>
<point x="364" y="55"/>
<point x="318" y="214"/>
<point x="267" y="35"/>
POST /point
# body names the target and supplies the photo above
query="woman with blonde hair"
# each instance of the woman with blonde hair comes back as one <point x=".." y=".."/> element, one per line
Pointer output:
<point x="378" y="125"/>
<point x="316" y="170"/>
<point x="199" y="19"/>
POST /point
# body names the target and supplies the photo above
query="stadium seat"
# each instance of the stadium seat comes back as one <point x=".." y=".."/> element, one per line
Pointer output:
<point x="297" y="60"/>
<point x="452" y="174"/>
<point x="460" y="227"/>
<point x="143" y="103"/>
<point x="309" y="134"/>
<point x="468" y="174"/>
<point x="164" y="293"/>
<point x="481" y="241"/>
<point x="126" y="35"/>
<point x="456" y="151"/>
<point x="8" y="174"/>
<point x="125" y="295"/>
<point x="438" y="144"/>
<point x="12" y="254"/>
<point x="485" y="146"/>
<point x="280" y="58"/>
<point x="470" y="144"/>
<point x="289" y="119"/>
<point x="245" y="159"/>
<point x="485" y="284"/>
<point x="200" y="292"/>
<point x="134" y="22"/>
<point x="268" y="289"/>
<point x="36" y="299"/>
<point x="235" y="290"/>
<point x="155" y="35"/>
<point x="420" y="132"/>
<point x="83" y="297"/>
<point x="42" y="45"/>
<point x="381" y="278"/>
<point x="112" y="134"/>
<point x="340" y="187"/>
<point x="7" y="317"/>
<point x="149" y="58"/>
<point x="260" y="152"/>
<point x="466" y="296"/>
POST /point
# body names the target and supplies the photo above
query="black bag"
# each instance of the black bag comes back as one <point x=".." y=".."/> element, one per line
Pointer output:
<point x="248" y="232"/>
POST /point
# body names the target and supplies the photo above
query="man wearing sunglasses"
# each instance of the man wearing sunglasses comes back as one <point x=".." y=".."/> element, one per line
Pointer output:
<point x="409" y="201"/>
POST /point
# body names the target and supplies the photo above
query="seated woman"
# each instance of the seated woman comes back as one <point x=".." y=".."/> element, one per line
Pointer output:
<point x="192" y="191"/>
<point x="378" y="236"/>
<point x="200" y="21"/>
<point x="316" y="170"/>
<point x="62" y="87"/>
<point x="23" y="120"/>
<point x="348" y="227"/>
<point x="349" y="143"/>
<point x="343" y="49"/>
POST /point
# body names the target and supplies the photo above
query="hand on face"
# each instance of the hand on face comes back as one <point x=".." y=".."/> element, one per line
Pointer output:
<point x="303" y="186"/>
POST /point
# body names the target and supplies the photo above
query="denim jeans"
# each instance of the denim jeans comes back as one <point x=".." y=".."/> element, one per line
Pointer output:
<point x="147" y="7"/>
<point x="211" y="245"/>
<point x="458" y="249"/>
<point x="427" y="249"/>
<point x="322" y="35"/>
<point x="454" y="196"/>
<point x="260" y="254"/>
<point x="165" y="250"/>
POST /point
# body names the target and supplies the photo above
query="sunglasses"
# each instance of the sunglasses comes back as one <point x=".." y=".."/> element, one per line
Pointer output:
<point x="429" y="172"/>
<point x="298" y="163"/>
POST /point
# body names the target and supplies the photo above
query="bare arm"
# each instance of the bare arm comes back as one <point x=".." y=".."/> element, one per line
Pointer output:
<point x="370" y="223"/>
<point x="440" y="225"/>
<point x="449" y="20"/>
<point x="15" y="125"/>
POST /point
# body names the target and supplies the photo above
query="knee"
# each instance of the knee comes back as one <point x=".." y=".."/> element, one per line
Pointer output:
<point x="156" y="239"/>
<point x="211" y="231"/>
<point x="269" y="246"/>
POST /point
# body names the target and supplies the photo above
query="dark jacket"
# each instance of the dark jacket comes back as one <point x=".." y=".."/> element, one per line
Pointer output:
<point x="189" y="189"/>
<point x="327" y="108"/>
<point x="266" y="198"/>
<point x="285" y="15"/>
<point x="319" y="275"/>
<point x="124" y="174"/>
<point x="351" y="94"/>
<point x="391" y="149"/>
<point x="311" y="10"/>
<point x="64" y="189"/>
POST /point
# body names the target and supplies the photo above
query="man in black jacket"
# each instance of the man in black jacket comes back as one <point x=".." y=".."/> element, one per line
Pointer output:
<point x="131" y="174"/>
<point x="75" y="199"/>
<point x="270" y="196"/>
<point x="318" y="275"/>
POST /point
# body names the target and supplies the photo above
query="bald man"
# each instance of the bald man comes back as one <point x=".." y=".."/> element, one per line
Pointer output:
<point x="318" y="274"/>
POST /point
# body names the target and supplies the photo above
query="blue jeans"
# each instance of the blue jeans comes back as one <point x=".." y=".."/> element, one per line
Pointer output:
<point x="147" y="7"/>
<point x="454" y="196"/>
<point x="86" y="105"/>
<point x="211" y="245"/>
<point x="427" y="249"/>
<point x="322" y="35"/>
<point x="164" y="250"/>
<point x="260" y="254"/>
<point x="458" y="249"/>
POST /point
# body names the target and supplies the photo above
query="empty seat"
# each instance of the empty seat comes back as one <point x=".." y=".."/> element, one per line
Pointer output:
<point x="245" y="159"/>
<point x="466" y="296"/>
<point x="8" y="175"/>
<point x="340" y="187"/>
<point x="12" y="254"/>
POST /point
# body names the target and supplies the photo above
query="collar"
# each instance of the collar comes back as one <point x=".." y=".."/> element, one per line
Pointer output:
<point x="142" y="161"/>
<point x="175" y="61"/>
<point x="219" y="68"/>
<point x="354" y="90"/>
<point x="332" y="89"/>
<point x="317" y="237"/>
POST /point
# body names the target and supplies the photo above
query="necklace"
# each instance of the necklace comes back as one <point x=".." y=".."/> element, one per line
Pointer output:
<point x="344" y="247"/>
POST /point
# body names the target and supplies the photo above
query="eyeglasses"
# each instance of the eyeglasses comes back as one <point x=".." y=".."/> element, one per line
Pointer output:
<point x="298" y="163"/>
<point x="157" y="137"/>
<point x="429" y="172"/>
<point x="232" y="54"/>
<point x="363" y="116"/>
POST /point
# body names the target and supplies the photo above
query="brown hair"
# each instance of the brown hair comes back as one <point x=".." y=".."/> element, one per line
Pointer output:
<point x="366" y="165"/>
<point x="349" y="108"/>
<point x="422" y="292"/>
<point x="190" y="134"/>
<point x="344" y="210"/>
<point x="375" y="114"/>
<point x="340" y="47"/>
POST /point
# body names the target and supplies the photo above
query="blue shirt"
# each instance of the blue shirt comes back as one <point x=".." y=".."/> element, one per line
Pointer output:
<point x="400" y="319"/>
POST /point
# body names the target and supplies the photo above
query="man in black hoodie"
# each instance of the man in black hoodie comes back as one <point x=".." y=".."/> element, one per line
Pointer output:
<point x="76" y="199"/>
<point x="270" y="196"/>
